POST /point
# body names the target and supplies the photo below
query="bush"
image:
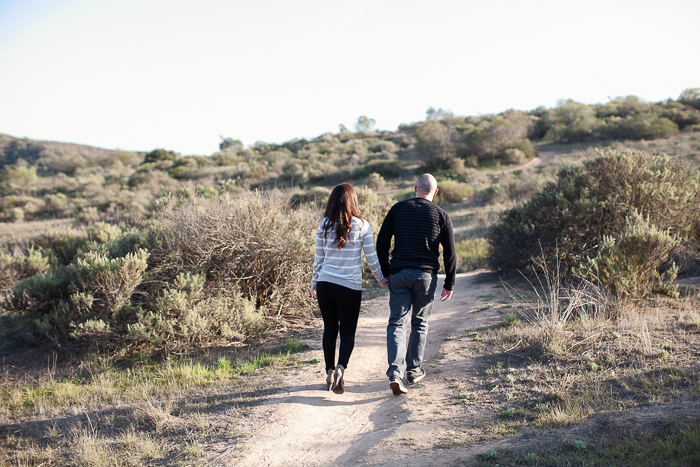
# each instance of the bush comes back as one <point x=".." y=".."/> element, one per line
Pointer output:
<point x="19" y="266"/>
<point x="317" y="198"/>
<point x="160" y="155"/>
<point x="569" y="218"/>
<point x="514" y="156"/>
<point x="471" y="254"/>
<point x="108" y="282"/>
<point x="375" y="181"/>
<point x="215" y="267"/>
<point x="629" y="265"/>
<point x="253" y="241"/>
<point x="385" y="168"/>
<point x="94" y="287"/>
<point x="185" y="314"/>
<point x="451" y="191"/>
<point x="436" y="145"/>
<point x="374" y="210"/>
<point x="690" y="97"/>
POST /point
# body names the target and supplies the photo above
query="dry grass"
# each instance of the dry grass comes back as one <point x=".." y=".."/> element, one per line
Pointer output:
<point x="97" y="414"/>
<point x="544" y="374"/>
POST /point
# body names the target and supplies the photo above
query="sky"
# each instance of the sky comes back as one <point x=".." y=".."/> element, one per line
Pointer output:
<point x="144" y="74"/>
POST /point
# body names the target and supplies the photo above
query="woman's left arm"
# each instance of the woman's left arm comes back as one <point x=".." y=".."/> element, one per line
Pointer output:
<point x="319" y="256"/>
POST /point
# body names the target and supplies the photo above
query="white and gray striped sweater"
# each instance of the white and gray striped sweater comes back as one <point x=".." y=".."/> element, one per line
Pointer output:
<point x="344" y="267"/>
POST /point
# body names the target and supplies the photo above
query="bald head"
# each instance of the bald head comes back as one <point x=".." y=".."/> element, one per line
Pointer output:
<point x="426" y="186"/>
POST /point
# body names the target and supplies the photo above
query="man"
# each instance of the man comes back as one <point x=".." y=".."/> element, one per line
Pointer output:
<point x="418" y="227"/>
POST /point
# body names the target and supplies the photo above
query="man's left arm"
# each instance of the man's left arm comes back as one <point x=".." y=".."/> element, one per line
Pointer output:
<point x="449" y="257"/>
<point x="384" y="242"/>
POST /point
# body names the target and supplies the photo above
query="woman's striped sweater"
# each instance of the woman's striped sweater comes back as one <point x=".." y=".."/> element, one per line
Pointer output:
<point x="344" y="267"/>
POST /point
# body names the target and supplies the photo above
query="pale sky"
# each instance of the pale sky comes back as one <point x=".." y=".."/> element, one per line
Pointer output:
<point x="175" y="74"/>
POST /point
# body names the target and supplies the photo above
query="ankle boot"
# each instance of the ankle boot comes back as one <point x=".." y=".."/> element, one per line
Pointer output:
<point x="338" y="382"/>
<point x="329" y="379"/>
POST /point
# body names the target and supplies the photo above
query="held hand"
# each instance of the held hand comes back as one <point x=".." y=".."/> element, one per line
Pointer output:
<point x="384" y="284"/>
<point x="313" y="292"/>
<point x="445" y="295"/>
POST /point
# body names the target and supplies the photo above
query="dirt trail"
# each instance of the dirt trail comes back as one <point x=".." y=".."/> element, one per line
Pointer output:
<point x="544" y="158"/>
<point x="307" y="425"/>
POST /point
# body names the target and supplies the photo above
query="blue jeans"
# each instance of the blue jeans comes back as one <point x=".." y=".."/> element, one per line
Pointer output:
<point x="409" y="289"/>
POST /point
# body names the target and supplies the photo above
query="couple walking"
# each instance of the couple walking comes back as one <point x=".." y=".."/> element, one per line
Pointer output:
<point x="418" y="227"/>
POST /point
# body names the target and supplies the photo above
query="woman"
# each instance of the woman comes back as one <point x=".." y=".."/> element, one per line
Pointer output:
<point x="337" y="278"/>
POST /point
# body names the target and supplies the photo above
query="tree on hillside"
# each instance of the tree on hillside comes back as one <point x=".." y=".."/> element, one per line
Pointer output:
<point x="364" y="124"/>
<point x="690" y="97"/>
<point x="159" y="155"/>
<point x="230" y="143"/>
<point x="439" y="114"/>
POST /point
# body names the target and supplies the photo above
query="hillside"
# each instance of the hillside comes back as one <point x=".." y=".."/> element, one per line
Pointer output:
<point x="183" y="330"/>
<point x="58" y="180"/>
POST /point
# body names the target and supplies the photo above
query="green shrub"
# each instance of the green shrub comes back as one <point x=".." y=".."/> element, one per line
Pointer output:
<point x="110" y="281"/>
<point x="451" y="191"/>
<point x="514" y="156"/>
<point x="629" y="264"/>
<point x="94" y="287"/>
<point x="61" y="246"/>
<point x="471" y="254"/>
<point x="32" y="262"/>
<point x="375" y="181"/>
<point x="185" y="315"/>
<point x="160" y="155"/>
<point x="569" y="218"/>
<point x="690" y="97"/>
<point x="18" y="266"/>
<point x="436" y="144"/>
<point x="385" y="168"/>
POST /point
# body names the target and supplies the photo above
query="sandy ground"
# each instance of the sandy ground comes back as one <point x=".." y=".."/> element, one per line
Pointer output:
<point x="367" y="425"/>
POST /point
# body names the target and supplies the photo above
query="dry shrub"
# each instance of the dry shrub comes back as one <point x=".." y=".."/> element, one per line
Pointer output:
<point x="557" y="305"/>
<point x="253" y="242"/>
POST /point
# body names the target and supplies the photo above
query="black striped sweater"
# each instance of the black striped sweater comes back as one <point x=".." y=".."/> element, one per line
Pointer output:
<point x="418" y="227"/>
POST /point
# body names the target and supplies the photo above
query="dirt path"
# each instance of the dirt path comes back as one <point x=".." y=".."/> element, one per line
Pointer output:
<point x="544" y="158"/>
<point x="307" y="425"/>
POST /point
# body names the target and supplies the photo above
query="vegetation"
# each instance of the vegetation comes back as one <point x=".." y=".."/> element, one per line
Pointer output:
<point x="172" y="287"/>
<point x="45" y="179"/>
<point x="617" y="218"/>
<point x="203" y="272"/>
<point x="137" y="413"/>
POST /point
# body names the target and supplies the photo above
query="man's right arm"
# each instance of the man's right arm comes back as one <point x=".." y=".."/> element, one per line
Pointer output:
<point x="384" y="241"/>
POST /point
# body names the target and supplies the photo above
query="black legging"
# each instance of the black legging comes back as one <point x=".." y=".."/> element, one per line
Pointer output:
<point x="338" y="304"/>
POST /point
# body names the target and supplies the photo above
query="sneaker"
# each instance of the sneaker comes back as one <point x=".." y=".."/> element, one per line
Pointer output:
<point x="415" y="377"/>
<point x="397" y="386"/>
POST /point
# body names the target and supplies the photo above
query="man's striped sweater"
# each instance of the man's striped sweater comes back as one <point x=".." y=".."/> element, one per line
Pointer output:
<point x="419" y="227"/>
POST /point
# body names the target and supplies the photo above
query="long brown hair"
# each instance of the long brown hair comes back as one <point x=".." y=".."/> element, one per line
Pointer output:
<point x="342" y="206"/>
